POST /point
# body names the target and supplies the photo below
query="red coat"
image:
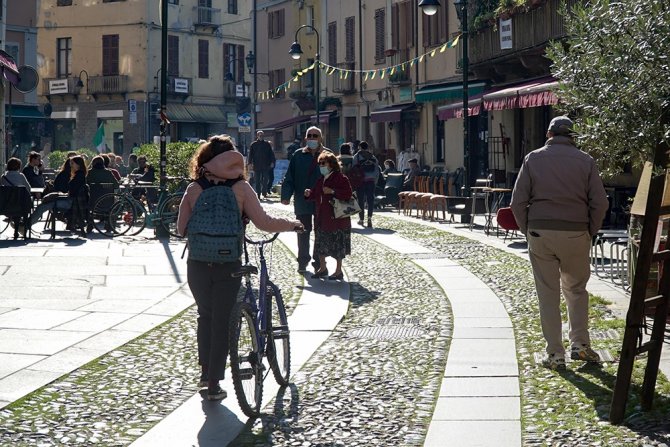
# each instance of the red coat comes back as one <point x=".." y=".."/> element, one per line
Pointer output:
<point x="324" y="219"/>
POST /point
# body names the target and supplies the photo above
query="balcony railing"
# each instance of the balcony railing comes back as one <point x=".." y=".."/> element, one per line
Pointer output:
<point x="206" y="16"/>
<point x="400" y="76"/>
<point x="108" y="85"/>
<point x="342" y="84"/>
<point x="530" y="29"/>
<point x="62" y="86"/>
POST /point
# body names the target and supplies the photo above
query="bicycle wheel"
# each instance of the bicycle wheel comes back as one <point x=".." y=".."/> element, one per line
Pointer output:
<point x="140" y="214"/>
<point x="100" y="214"/>
<point x="279" y="343"/>
<point x="168" y="214"/>
<point x="121" y="216"/>
<point x="245" y="360"/>
<point x="4" y="224"/>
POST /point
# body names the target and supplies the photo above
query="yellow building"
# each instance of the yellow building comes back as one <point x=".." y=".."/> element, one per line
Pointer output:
<point x="99" y="63"/>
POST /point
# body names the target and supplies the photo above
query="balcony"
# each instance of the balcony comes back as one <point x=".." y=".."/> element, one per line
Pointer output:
<point x="531" y="32"/>
<point x="107" y="85"/>
<point x="340" y="83"/>
<point x="400" y="76"/>
<point x="60" y="86"/>
<point x="206" y="17"/>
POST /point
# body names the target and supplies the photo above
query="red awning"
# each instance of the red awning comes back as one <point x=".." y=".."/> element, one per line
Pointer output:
<point x="530" y="94"/>
<point x="455" y="109"/>
<point x="285" y="123"/>
<point x="9" y="69"/>
<point x="390" y="114"/>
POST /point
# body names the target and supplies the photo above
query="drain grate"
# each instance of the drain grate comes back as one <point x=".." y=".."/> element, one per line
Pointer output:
<point x="388" y="331"/>
<point x="399" y="320"/>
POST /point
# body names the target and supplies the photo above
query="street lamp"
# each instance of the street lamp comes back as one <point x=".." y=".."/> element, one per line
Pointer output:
<point x="296" y="53"/>
<point x="80" y="84"/>
<point x="430" y="7"/>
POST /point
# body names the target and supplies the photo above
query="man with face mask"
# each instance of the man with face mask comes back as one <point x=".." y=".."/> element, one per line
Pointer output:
<point x="303" y="172"/>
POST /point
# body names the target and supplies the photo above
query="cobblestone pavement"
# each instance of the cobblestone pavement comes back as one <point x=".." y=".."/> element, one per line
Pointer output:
<point x="373" y="382"/>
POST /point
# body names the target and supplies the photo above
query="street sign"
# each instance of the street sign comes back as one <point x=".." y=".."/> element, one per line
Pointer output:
<point x="244" y="129"/>
<point x="241" y="90"/>
<point x="132" y="111"/>
<point x="244" y="119"/>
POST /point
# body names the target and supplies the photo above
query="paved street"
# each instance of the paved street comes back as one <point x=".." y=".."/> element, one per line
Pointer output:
<point x="431" y="338"/>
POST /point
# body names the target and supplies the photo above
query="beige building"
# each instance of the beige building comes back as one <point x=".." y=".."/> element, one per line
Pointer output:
<point x="99" y="63"/>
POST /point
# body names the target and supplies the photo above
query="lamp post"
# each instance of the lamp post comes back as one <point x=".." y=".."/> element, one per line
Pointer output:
<point x="80" y="84"/>
<point x="230" y="77"/>
<point x="296" y="52"/>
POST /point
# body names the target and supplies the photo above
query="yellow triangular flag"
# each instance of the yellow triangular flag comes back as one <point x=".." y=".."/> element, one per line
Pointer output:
<point x="381" y="75"/>
<point x="432" y="53"/>
<point x="444" y="47"/>
<point x="454" y="42"/>
<point x="421" y="58"/>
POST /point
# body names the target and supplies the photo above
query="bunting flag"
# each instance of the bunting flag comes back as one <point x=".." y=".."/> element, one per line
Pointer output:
<point x="369" y="74"/>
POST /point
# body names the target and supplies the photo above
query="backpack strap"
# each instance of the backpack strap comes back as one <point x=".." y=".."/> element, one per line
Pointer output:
<point x="204" y="183"/>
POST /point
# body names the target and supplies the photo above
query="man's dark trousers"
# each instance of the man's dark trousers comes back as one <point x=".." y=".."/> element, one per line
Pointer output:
<point x="303" y="240"/>
<point x="261" y="177"/>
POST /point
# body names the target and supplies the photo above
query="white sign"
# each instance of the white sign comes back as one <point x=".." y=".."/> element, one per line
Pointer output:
<point x="180" y="85"/>
<point x="132" y="111"/>
<point x="58" y="86"/>
<point x="244" y="129"/>
<point x="241" y="90"/>
<point x="505" y="27"/>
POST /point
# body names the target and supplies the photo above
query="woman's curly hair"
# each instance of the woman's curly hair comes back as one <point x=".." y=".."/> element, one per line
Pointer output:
<point x="215" y="145"/>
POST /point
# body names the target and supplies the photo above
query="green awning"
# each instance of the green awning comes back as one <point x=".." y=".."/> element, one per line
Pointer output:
<point x="207" y="113"/>
<point x="23" y="112"/>
<point x="178" y="113"/>
<point x="447" y="92"/>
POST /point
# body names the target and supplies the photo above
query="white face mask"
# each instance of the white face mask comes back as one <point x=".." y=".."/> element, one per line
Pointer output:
<point x="324" y="170"/>
<point x="312" y="144"/>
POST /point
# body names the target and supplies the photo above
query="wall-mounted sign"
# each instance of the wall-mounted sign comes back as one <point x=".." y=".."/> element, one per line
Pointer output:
<point x="58" y="86"/>
<point x="505" y="27"/>
<point x="180" y="85"/>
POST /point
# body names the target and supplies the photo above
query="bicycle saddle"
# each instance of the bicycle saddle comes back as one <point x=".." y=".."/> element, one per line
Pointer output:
<point x="245" y="270"/>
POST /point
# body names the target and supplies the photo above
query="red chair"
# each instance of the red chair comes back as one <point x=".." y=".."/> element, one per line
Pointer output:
<point x="506" y="221"/>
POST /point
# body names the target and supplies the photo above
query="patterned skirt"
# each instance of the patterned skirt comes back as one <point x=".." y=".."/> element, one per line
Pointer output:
<point x="335" y="244"/>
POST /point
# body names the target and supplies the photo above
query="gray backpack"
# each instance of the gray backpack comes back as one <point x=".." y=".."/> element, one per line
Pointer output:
<point x="215" y="230"/>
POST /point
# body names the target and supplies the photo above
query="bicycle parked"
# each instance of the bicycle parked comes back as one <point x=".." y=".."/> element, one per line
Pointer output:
<point x="258" y="329"/>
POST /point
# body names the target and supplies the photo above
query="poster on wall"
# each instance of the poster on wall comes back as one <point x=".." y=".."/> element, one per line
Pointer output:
<point x="505" y="27"/>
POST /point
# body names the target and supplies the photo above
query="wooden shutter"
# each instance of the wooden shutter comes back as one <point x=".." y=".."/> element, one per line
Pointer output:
<point x="280" y="26"/>
<point x="350" y="39"/>
<point x="380" y="34"/>
<point x="173" y="56"/>
<point x="110" y="55"/>
<point x="271" y="25"/>
<point x="240" y="62"/>
<point x="395" y="26"/>
<point x="444" y="24"/>
<point x="332" y="43"/>
<point x="203" y="58"/>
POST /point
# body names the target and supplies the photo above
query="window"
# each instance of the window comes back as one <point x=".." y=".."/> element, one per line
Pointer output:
<point x="13" y="50"/>
<point x="112" y="1"/>
<point x="110" y="55"/>
<point x="332" y="43"/>
<point x="435" y="28"/>
<point x="173" y="56"/>
<point x="232" y="6"/>
<point x="402" y="25"/>
<point x="173" y="2"/>
<point x="233" y="59"/>
<point x="380" y="35"/>
<point x="64" y="3"/>
<point x="203" y="59"/>
<point x="276" y="24"/>
<point x="310" y="19"/>
<point x="276" y="79"/>
<point x="349" y="39"/>
<point x="64" y="62"/>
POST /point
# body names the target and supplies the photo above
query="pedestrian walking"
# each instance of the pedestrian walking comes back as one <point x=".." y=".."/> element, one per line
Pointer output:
<point x="303" y="172"/>
<point x="559" y="202"/>
<point x="366" y="191"/>
<point x="218" y="169"/>
<point x="332" y="235"/>
<point x="262" y="162"/>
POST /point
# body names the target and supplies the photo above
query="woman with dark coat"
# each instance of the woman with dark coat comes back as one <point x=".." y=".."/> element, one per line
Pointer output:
<point x="333" y="235"/>
<point x="62" y="201"/>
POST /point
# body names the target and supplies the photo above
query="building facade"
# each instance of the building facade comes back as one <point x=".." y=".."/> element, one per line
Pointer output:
<point x="99" y="62"/>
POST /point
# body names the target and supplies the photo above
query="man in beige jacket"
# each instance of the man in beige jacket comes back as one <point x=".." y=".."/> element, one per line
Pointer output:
<point x="559" y="202"/>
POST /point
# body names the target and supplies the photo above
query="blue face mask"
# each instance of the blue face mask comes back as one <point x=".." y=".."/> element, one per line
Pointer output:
<point x="312" y="144"/>
<point x="325" y="170"/>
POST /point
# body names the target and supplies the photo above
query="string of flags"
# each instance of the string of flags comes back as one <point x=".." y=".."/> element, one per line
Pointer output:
<point x="344" y="73"/>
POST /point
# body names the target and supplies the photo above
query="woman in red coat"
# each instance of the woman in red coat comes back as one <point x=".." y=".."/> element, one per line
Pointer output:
<point x="333" y="236"/>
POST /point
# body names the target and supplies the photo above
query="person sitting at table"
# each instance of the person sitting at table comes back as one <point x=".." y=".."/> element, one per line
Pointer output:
<point x="107" y="159"/>
<point x="99" y="173"/>
<point x="389" y="167"/>
<point x="14" y="176"/>
<point x="408" y="183"/>
<point x="147" y="174"/>
<point x="63" y="177"/>
<point x="63" y="201"/>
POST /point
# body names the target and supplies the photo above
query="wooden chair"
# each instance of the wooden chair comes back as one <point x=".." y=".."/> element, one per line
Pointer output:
<point x="439" y="199"/>
<point x="16" y="204"/>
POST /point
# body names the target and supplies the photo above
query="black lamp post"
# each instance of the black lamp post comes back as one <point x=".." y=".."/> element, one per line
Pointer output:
<point x="80" y="83"/>
<point x="296" y="53"/>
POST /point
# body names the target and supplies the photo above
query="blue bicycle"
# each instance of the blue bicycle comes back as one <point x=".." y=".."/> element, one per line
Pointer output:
<point x="258" y="329"/>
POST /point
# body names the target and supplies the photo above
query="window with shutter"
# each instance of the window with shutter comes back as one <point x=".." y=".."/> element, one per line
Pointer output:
<point x="173" y="55"/>
<point x="64" y="61"/>
<point x="350" y="39"/>
<point x="232" y="6"/>
<point x="110" y="55"/>
<point x="395" y="26"/>
<point x="380" y="35"/>
<point x="280" y="26"/>
<point x="203" y="59"/>
<point x="435" y="28"/>
<point x="408" y="21"/>
<point x="332" y="43"/>
<point x="240" y="62"/>
<point x="277" y="78"/>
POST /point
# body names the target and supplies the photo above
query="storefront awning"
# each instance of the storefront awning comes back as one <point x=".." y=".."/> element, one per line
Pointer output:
<point x="206" y="113"/>
<point x="8" y="67"/>
<point x="23" y="112"/>
<point x="324" y="116"/>
<point x="285" y="123"/>
<point x="391" y="113"/>
<point x="535" y="93"/>
<point x="455" y="109"/>
<point x="447" y="92"/>
<point x="178" y="113"/>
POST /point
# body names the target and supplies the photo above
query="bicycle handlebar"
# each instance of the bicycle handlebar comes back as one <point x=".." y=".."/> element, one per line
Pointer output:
<point x="264" y="241"/>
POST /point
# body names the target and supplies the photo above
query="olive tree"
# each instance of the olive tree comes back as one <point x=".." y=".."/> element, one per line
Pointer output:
<point x="614" y="77"/>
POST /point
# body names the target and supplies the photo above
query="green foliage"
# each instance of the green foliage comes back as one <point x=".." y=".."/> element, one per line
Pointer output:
<point x="614" y="72"/>
<point x="178" y="156"/>
<point x="56" y="158"/>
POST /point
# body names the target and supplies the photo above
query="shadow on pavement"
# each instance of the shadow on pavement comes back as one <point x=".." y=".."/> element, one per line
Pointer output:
<point x="218" y="419"/>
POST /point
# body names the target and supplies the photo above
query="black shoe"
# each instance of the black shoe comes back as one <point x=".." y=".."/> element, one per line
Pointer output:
<point x="321" y="274"/>
<point x="316" y="265"/>
<point x="337" y="277"/>
<point x="369" y="223"/>
<point x="203" y="381"/>
<point x="302" y="268"/>
<point x="216" y="393"/>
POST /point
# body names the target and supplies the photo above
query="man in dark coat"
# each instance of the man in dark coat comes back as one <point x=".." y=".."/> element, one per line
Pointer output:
<point x="262" y="162"/>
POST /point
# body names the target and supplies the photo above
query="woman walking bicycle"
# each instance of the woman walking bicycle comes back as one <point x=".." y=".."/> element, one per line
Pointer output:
<point x="217" y="165"/>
